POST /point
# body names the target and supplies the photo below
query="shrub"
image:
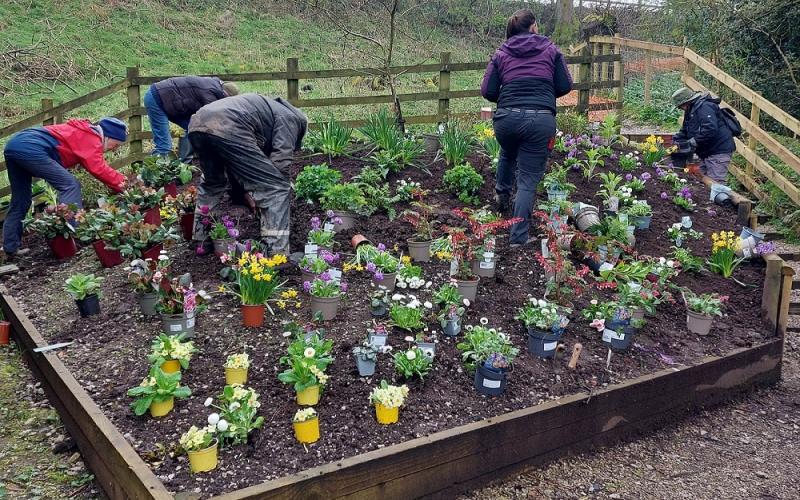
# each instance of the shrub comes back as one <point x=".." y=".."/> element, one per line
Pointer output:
<point x="464" y="182"/>
<point x="314" y="180"/>
<point x="571" y="123"/>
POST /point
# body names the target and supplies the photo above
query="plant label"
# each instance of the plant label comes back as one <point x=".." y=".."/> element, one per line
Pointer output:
<point x="453" y="267"/>
<point x="486" y="265"/>
<point x="549" y="346"/>
<point x="686" y="221"/>
<point x="491" y="384"/>
<point x="189" y="323"/>
<point x="608" y="335"/>
<point x="746" y="253"/>
<point x="378" y="340"/>
<point x="428" y="352"/>
<point x="328" y="227"/>
<point x="487" y="256"/>
<point x="175" y="328"/>
<point x="623" y="218"/>
<point x="606" y="266"/>
<point x="311" y="249"/>
<point x="336" y="274"/>
<point x="545" y="250"/>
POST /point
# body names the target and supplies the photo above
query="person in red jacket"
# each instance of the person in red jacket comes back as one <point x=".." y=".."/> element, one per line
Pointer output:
<point x="47" y="153"/>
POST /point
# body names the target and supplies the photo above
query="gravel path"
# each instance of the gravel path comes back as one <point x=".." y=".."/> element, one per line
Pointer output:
<point x="747" y="449"/>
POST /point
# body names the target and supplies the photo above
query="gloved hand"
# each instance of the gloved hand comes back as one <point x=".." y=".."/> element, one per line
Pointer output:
<point x="692" y="143"/>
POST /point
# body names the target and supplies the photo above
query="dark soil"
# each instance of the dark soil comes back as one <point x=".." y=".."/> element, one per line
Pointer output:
<point x="109" y="353"/>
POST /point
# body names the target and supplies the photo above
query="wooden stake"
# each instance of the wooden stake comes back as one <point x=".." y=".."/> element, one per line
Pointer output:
<point x="576" y="353"/>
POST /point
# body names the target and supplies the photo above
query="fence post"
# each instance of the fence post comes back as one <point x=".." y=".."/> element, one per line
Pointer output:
<point x="134" y="103"/>
<point x="605" y="49"/>
<point x="596" y="72"/>
<point x="619" y="74"/>
<point x="755" y="117"/>
<point x="47" y="104"/>
<point x="292" y="83"/>
<point x="648" y="76"/>
<point x="444" y="87"/>
<point x="584" y="78"/>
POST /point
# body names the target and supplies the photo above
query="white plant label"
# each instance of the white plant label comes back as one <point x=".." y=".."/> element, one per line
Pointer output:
<point x="605" y="266"/>
<point x="378" y="340"/>
<point x="453" y="267"/>
<point x="491" y="384"/>
<point x="336" y="274"/>
<point x="611" y="334"/>
<point x="488" y="256"/>
<point x="175" y="328"/>
<point x="545" y="250"/>
<point x="486" y="265"/>
<point x="623" y="218"/>
<point x="686" y="221"/>
<point x="428" y="352"/>
<point x="190" y="323"/>
<point x="327" y="227"/>
<point x="549" y="346"/>
<point x="311" y="249"/>
<point x="746" y="253"/>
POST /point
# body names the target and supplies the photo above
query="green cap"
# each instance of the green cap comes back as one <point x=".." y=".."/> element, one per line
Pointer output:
<point x="684" y="95"/>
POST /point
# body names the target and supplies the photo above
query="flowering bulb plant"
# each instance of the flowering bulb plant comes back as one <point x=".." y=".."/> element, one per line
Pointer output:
<point x="321" y="233"/>
<point x="157" y="387"/>
<point x="543" y="315"/>
<point x="707" y="304"/>
<point x="304" y="415"/>
<point x="390" y="396"/>
<point x="222" y="229"/>
<point x="421" y="219"/>
<point x="179" y="297"/>
<point x="325" y="286"/>
<point x="171" y="347"/>
<point x="723" y="258"/>
<point x="138" y="236"/>
<point x="55" y="220"/>
<point x="318" y="264"/>
<point x="238" y="414"/>
<point x="256" y="278"/>
<point x="239" y="361"/>
<point x="196" y="439"/>
<point x="630" y="161"/>
<point x="412" y="363"/>
<point x="653" y="150"/>
<point x="481" y="341"/>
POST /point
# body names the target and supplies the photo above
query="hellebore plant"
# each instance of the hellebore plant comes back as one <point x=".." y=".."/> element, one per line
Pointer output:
<point x="55" y="220"/>
<point x="80" y="286"/>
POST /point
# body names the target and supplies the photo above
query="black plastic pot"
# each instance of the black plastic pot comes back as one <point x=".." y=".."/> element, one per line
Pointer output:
<point x="543" y="344"/>
<point x="88" y="306"/>
<point x="619" y="334"/>
<point x="490" y="382"/>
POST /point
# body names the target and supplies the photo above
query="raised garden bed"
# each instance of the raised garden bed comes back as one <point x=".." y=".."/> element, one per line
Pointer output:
<point x="446" y="430"/>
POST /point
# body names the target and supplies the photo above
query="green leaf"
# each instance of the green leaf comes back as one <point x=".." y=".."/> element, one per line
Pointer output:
<point x="140" y="406"/>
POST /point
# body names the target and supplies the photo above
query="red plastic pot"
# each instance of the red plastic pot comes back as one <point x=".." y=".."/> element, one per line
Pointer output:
<point x="63" y="248"/>
<point x="5" y="332"/>
<point x="187" y="225"/>
<point x="107" y="257"/>
<point x="171" y="189"/>
<point x="153" y="252"/>
<point x="153" y="216"/>
<point x="252" y="315"/>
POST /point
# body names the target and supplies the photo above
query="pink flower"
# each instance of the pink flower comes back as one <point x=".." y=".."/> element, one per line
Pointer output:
<point x="204" y="209"/>
<point x="599" y="324"/>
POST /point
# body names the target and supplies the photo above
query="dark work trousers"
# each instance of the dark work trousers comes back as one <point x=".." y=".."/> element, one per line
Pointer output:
<point x="221" y="159"/>
<point x="523" y="137"/>
<point x="22" y="168"/>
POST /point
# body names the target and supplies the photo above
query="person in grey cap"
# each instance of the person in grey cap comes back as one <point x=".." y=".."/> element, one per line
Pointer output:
<point x="705" y="132"/>
<point x="251" y="138"/>
<point x="47" y="153"/>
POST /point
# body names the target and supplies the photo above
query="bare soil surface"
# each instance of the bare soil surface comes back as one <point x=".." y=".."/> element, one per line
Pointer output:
<point x="109" y="354"/>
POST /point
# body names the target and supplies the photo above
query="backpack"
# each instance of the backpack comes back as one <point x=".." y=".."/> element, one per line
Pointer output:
<point x="729" y="119"/>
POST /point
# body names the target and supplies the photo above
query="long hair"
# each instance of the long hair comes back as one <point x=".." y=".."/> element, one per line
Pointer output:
<point x="520" y="22"/>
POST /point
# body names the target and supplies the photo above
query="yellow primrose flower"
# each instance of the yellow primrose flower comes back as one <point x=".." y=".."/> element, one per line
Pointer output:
<point x="359" y="268"/>
<point x="281" y="304"/>
<point x="405" y="259"/>
<point x="221" y="288"/>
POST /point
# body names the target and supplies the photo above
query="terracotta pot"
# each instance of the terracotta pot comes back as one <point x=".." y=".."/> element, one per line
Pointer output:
<point x="5" y="332"/>
<point x="698" y="323"/>
<point x="358" y="239"/>
<point x="171" y="189"/>
<point x="348" y="221"/>
<point x="327" y="306"/>
<point x="153" y="216"/>
<point x="419" y="251"/>
<point x="63" y="248"/>
<point x="107" y="257"/>
<point x="187" y="225"/>
<point x="468" y="289"/>
<point x="153" y="252"/>
<point x="253" y="315"/>
<point x="388" y="282"/>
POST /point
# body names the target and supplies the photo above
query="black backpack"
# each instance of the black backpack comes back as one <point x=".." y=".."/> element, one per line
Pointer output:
<point x="729" y="119"/>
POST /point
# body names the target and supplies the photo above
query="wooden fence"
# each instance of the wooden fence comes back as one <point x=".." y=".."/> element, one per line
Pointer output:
<point x="132" y="84"/>
<point x="755" y="136"/>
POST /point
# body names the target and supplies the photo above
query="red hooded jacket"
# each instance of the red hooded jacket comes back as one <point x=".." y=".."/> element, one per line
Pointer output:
<point x="80" y="144"/>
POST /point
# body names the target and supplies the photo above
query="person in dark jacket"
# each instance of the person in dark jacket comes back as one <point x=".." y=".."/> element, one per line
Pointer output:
<point x="251" y="138"/>
<point x="524" y="78"/>
<point x="704" y="132"/>
<point x="176" y="100"/>
<point x="47" y="153"/>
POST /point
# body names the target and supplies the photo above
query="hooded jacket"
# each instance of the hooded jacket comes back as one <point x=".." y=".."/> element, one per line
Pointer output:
<point x="180" y="97"/>
<point x="526" y="72"/>
<point x="74" y="143"/>
<point x="702" y="122"/>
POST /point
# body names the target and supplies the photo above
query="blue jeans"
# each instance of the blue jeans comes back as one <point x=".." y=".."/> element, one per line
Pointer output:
<point x="159" y="124"/>
<point x="21" y="170"/>
<point x="523" y="139"/>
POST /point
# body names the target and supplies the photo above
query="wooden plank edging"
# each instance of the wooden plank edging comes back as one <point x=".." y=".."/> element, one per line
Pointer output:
<point x="119" y="470"/>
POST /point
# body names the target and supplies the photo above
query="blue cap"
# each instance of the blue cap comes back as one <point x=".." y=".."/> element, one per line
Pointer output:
<point x="114" y="128"/>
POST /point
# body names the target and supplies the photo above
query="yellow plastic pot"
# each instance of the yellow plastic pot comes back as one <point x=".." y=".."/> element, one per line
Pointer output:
<point x="308" y="396"/>
<point x="171" y="366"/>
<point x="308" y="431"/>
<point x="235" y="376"/>
<point x="161" y="408"/>
<point x="386" y="415"/>
<point x="203" y="460"/>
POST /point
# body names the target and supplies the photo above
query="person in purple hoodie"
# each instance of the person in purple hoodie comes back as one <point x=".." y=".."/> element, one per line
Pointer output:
<point x="524" y="78"/>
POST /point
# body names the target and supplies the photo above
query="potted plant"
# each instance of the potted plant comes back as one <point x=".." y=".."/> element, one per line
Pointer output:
<point x="222" y="232"/>
<point x="546" y="323"/>
<point x="171" y="353"/>
<point x="157" y="392"/>
<point x="238" y="414"/>
<point x="701" y="309"/>
<point x="489" y="353"/>
<point x="412" y="363"/>
<point x="421" y="219"/>
<point x="378" y="334"/>
<point x="366" y="355"/>
<point x="387" y="400"/>
<point x="326" y="295"/>
<point x="313" y="265"/>
<point x="143" y="240"/>
<point x="178" y="303"/>
<point x="201" y="447"/>
<point x="614" y="320"/>
<point x="139" y="198"/>
<point x="158" y="171"/>
<point x="409" y="276"/>
<point x="640" y="214"/>
<point x="556" y="184"/>
<point x="345" y="200"/>
<point x="236" y="366"/>
<point x="55" y="223"/>
<point x="564" y="280"/>
<point x="5" y="329"/>
<point x="407" y="313"/>
<point x="85" y="289"/>
<point x="256" y="284"/>
<point x="146" y="277"/>
<point x="383" y="266"/>
<point x="447" y="294"/>
<point x="723" y="260"/>
<point x="307" y="377"/>
<point x="306" y="425"/>
<point x="101" y="227"/>
<point x="379" y="302"/>
<point x="321" y="235"/>
<point x="450" y="319"/>
<point x="185" y="204"/>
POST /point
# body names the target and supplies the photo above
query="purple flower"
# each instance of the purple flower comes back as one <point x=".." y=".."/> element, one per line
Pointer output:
<point x="204" y="209"/>
<point x="712" y="213"/>
<point x="613" y="157"/>
<point x="765" y="247"/>
<point x="378" y="276"/>
<point x="371" y="267"/>
<point x="381" y="247"/>
<point x="200" y="250"/>
<point x="337" y="220"/>
<point x="307" y="286"/>
<point x="315" y="223"/>
<point x="664" y="195"/>
<point x="233" y="232"/>
<point x="228" y="222"/>
<point x="629" y="177"/>
<point x="205" y="221"/>
<point x="343" y="285"/>
<point x="329" y="257"/>
<point x="646" y="176"/>
<point x="326" y="276"/>
<point x="329" y="214"/>
<point x="660" y="172"/>
<point x="685" y="193"/>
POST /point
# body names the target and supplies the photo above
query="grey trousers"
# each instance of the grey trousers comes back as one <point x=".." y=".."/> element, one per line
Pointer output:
<point x="716" y="166"/>
<point x="247" y="164"/>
